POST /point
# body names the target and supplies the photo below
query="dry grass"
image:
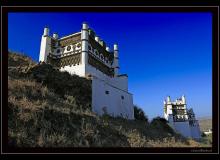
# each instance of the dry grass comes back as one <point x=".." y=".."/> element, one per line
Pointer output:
<point x="205" y="124"/>
<point x="44" y="115"/>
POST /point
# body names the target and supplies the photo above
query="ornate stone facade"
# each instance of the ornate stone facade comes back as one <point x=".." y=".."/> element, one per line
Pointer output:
<point x="100" y="52"/>
<point x="64" y="53"/>
<point x="100" y="66"/>
<point x="70" y="60"/>
<point x="70" y="40"/>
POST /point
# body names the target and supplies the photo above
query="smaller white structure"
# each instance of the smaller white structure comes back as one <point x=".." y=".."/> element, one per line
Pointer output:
<point x="180" y="118"/>
<point x="208" y="132"/>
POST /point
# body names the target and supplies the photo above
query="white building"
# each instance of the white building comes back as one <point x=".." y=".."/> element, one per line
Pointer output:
<point x="208" y="132"/>
<point x="181" y="119"/>
<point x="85" y="54"/>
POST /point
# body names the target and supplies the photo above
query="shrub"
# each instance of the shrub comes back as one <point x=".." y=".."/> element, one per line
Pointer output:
<point x="72" y="88"/>
<point x="161" y="123"/>
<point x="139" y="114"/>
<point x="158" y="120"/>
<point x="203" y="134"/>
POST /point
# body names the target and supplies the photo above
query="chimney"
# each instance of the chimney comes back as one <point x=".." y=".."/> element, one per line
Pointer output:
<point x="97" y="39"/>
<point x="168" y="99"/>
<point x="108" y="49"/>
<point x="183" y="99"/>
<point x="46" y="31"/>
<point x="116" y="61"/>
<point x="55" y="36"/>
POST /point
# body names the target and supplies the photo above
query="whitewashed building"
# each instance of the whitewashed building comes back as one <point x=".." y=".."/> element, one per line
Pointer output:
<point x="208" y="132"/>
<point x="181" y="119"/>
<point x="86" y="55"/>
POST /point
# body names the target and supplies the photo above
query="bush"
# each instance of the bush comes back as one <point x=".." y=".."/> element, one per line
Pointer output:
<point x="158" y="120"/>
<point x="203" y="134"/>
<point x="161" y="123"/>
<point x="72" y="88"/>
<point x="139" y="114"/>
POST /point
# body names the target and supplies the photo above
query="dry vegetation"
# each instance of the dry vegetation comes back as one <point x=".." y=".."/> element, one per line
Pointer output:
<point x="48" y="108"/>
<point x="205" y="124"/>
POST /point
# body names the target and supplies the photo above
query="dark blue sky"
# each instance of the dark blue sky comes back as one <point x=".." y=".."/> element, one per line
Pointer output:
<point x="162" y="53"/>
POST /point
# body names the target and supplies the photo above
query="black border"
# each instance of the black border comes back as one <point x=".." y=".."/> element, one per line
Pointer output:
<point x="111" y="3"/>
<point x="6" y="10"/>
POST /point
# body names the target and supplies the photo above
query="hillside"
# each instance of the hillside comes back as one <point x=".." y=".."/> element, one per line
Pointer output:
<point x="49" y="108"/>
<point x="205" y="124"/>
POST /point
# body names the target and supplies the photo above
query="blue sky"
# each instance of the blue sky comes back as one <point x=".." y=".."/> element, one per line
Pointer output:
<point x="162" y="53"/>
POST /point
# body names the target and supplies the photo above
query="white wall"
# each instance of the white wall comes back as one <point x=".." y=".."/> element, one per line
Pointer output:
<point x="44" y="48"/>
<point x="122" y="81"/>
<point x="115" y="105"/>
<point x="119" y="82"/>
<point x="113" y="102"/>
<point x="182" y="128"/>
<point x="77" y="69"/>
<point x="195" y="132"/>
